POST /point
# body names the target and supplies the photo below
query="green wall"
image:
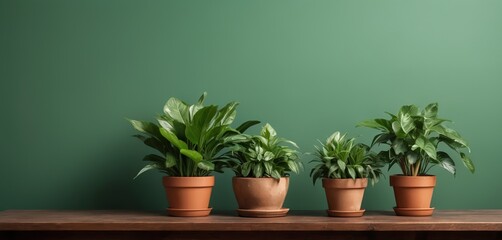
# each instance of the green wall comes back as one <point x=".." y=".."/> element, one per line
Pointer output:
<point x="72" y="71"/>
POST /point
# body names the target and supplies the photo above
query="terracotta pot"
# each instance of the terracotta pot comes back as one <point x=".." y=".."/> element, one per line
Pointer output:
<point x="413" y="194"/>
<point x="188" y="196"/>
<point x="260" y="197"/>
<point x="345" y="196"/>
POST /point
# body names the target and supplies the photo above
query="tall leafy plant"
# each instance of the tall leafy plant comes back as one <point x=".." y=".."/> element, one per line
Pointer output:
<point x="190" y="139"/>
<point x="264" y="155"/>
<point x="414" y="138"/>
<point x="340" y="157"/>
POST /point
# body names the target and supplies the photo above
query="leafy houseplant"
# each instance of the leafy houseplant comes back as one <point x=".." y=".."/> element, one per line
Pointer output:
<point x="414" y="138"/>
<point x="262" y="164"/>
<point x="190" y="140"/>
<point x="345" y="167"/>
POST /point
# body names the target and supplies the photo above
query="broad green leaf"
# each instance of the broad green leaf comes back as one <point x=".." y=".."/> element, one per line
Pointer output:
<point x="146" y="168"/>
<point x="175" y="109"/>
<point x="205" y="165"/>
<point x="399" y="146"/>
<point x="332" y="169"/>
<point x="412" y="157"/>
<point x="170" y="160"/>
<point x="381" y="138"/>
<point x="243" y="127"/>
<point x="226" y="115"/>
<point x="429" y="148"/>
<point x="406" y="122"/>
<point x="341" y="164"/>
<point x="267" y="156"/>
<point x="194" y="155"/>
<point x="155" y="144"/>
<point x="411" y="110"/>
<point x="196" y="130"/>
<point x="379" y="123"/>
<point x="434" y="124"/>
<point x="145" y="127"/>
<point x="450" y="133"/>
<point x="173" y="139"/>
<point x="467" y="162"/>
<point x="153" y="158"/>
<point x="431" y="110"/>
<point x="446" y="162"/>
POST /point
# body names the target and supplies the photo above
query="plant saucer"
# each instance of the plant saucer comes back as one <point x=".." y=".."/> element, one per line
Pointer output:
<point x="263" y="213"/>
<point x="335" y="213"/>
<point x="418" y="212"/>
<point x="175" y="212"/>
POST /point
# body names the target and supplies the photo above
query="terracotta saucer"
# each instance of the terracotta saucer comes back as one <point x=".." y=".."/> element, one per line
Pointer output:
<point x="418" y="212"/>
<point x="335" y="213"/>
<point x="188" y="212"/>
<point x="263" y="213"/>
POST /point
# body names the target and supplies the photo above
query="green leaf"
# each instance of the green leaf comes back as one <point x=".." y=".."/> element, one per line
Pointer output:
<point x="175" y="109"/>
<point x="467" y="162"/>
<point x="145" y="127"/>
<point x="153" y="158"/>
<point x="426" y="146"/>
<point x="268" y="131"/>
<point x="194" y="155"/>
<point x="173" y="139"/>
<point x="275" y="174"/>
<point x="399" y="146"/>
<point x="243" y="127"/>
<point x="205" y="165"/>
<point x="146" y="168"/>
<point x="202" y="98"/>
<point x="293" y="166"/>
<point x="257" y="170"/>
<point x="352" y="172"/>
<point x="379" y="123"/>
<point x="446" y="162"/>
<point x="268" y="167"/>
<point x="200" y="123"/>
<point x="412" y="157"/>
<point x="341" y="164"/>
<point x="381" y="138"/>
<point x="431" y="110"/>
<point x="406" y="122"/>
<point x="246" y="169"/>
<point x="170" y="160"/>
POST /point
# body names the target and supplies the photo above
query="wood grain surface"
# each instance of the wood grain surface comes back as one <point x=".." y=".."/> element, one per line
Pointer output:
<point x="315" y="221"/>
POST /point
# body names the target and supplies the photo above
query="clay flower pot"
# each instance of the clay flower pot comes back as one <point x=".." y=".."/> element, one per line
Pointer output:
<point x="260" y="197"/>
<point x="345" y="196"/>
<point x="188" y="196"/>
<point x="413" y="194"/>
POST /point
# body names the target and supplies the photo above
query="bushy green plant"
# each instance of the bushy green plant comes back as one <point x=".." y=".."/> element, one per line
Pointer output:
<point x="190" y="138"/>
<point x="340" y="157"/>
<point x="414" y="138"/>
<point x="264" y="155"/>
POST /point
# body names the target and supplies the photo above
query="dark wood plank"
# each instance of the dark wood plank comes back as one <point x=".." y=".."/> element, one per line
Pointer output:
<point x="314" y="221"/>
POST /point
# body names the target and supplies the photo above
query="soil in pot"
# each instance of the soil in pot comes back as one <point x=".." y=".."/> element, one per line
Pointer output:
<point x="345" y="196"/>
<point x="188" y="196"/>
<point x="261" y="197"/>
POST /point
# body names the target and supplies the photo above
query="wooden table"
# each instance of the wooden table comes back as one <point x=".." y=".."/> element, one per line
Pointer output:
<point x="95" y="225"/>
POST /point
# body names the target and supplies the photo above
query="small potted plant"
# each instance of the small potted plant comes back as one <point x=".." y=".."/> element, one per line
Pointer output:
<point x="344" y="168"/>
<point x="414" y="138"/>
<point x="261" y="164"/>
<point x="190" y="141"/>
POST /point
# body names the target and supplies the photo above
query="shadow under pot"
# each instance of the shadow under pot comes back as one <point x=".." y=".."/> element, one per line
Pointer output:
<point x="188" y="196"/>
<point x="261" y="197"/>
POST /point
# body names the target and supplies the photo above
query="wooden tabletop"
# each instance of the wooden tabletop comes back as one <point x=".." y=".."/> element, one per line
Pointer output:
<point x="59" y="220"/>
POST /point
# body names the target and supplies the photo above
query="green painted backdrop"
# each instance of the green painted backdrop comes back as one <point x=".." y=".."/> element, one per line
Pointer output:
<point x="72" y="71"/>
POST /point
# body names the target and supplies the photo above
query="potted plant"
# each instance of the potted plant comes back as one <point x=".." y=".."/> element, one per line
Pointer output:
<point x="261" y="164"/>
<point x="414" y="138"/>
<point x="190" y="140"/>
<point x="344" y="168"/>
